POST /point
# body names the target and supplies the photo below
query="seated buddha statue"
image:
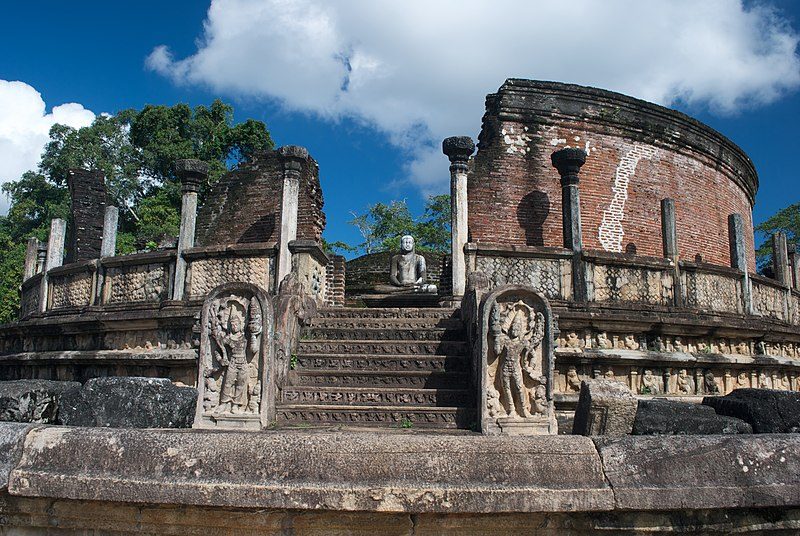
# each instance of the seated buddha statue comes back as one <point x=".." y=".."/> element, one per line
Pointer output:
<point x="407" y="271"/>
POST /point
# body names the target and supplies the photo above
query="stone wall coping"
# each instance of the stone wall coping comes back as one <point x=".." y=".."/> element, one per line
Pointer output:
<point x="32" y="281"/>
<point x="312" y="248"/>
<point x="136" y="259"/>
<point x="132" y="357"/>
<point x="74" y="268"/>
<point x="505" y="250"/>
<point x="98" y="316"/>
<point x="609" y="258"/>
<point x="708" y="268"/>
<point x="766" y="281"/>
<point x="232" y="250"/>
<point x="660" y="359"/>
<point x="400" y="472"/>
<point x="516" y="99"/>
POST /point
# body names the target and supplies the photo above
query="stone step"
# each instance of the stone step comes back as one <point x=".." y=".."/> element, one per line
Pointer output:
<point x="394" y="416"/>
<point x="373" y="334"/>
<point x="374" y="396"/>
<point x="386" y="323"/>
<point x="407" y="379"/>
<point x="381" y="347"/>
<point x="388" y="312"/>
<point x="381" y="363"/>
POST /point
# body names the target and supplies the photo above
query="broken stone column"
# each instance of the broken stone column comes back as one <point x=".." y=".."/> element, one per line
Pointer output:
<point x="55" y="256"/>
<point x="109" y="245"/>
<point x="31" y="257"/>
<point x="88" y="197"/>
<point x="794" y="265"/>
<point x="669" y="236"/>
<point x="293" y="157"/>
<point x="192" y="173"/>
<point x="458" y="149"/>
<point x="739" y="257"/>
<point x="780" y="259"/>
<point x="605" y="407"/>
<point x="568" y="162"/>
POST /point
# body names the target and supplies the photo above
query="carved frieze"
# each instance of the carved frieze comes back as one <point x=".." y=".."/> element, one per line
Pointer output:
<point x="713" y="292"/>
<point x="632" y="284"/>
<point x="207" y="274"/>
<point x="142" y="283"/>
<point x="72" y="290"/>
<point x="235" y="381"/>
<point x="768" y="300"/>
<point x="550" y="277"/>
<point x="516" y="363"/>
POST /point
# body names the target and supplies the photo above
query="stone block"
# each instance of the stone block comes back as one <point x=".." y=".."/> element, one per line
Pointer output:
<point x="32" y="401"/>
<point x="302" y="470"/>
<point x="129" y="402"/>
<point x="667" y="417"/>
<point x="768" y="411"/>
<point x="605" y="407"/>
<point x="702" y="472"/>
<point x="12" y="435"/>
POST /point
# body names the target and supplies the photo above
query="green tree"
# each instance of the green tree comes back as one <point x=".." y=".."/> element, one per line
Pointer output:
<point x="786" y="220"/>
<point x="135" y="150"/>
<point x="382" y="225"/>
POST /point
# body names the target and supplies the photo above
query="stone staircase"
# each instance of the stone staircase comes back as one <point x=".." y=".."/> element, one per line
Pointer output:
<point x="381" y="367"/>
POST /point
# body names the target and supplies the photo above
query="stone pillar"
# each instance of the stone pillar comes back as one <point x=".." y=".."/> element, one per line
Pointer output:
<point x="794" y="265"/>
<point x="458" y="149"/>
<point x="192" y="173"/>
<point x="108" y="246"/>
<point x="55" y="256"/>
<point x="41" y="257"/>
<point x="293" y="158"/>
<point x="739" y="257"/>
<point x="669" y="238"/>
<point x="780" y="259"/>
<point x="31" y="256"/>
<point x="568" y="162"/>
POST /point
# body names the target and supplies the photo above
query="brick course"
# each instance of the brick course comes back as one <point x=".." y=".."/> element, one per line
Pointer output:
<point x="88" y="194"/>
<point x="638" y="154"/>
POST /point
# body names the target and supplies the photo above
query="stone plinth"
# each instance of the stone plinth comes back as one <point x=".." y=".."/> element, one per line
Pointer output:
<point x="605" y="407"/>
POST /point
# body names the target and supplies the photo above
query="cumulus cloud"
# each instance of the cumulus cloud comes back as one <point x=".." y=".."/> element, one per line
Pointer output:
<point x="24" y="128"/>
<point x="418" y="70"/>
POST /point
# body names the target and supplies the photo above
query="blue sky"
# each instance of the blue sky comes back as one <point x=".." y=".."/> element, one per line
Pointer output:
<point x="371" y="87"/>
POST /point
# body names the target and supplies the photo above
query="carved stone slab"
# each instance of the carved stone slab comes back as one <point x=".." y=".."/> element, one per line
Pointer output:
<point x="236" y="380"/>
<point x="516" y="363"/>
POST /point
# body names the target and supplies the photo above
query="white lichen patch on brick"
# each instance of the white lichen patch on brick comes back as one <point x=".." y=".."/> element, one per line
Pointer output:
<point x="517" y="143"/>
<point x="557" y="141"/>
<point x="611" y="232"/>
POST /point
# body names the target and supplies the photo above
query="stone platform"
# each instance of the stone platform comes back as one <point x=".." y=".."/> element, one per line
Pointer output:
<point x="412" y="300"/>
<point x="301" y="482"/>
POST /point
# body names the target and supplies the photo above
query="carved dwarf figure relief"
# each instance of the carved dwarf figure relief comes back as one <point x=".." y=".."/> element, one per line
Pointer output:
<point x="710" y="386"/>
<point x="573" y="380"/>
<point x="684" y="383"/>
<point x="650" y="383"/>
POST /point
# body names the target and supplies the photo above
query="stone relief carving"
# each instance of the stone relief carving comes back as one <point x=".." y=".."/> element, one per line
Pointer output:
<point x="651" y="384"/>
<point x="206" y="274"/>
<point x="550" y="277"/>
<point x="146" y="282"/>
<point x="616" y="283"/>
<point x="517" y="363"/>
<point x="73" y="290"/>
<point x="767" y="300"/>
<point x="713" y="292"/>
<point x="235" y="376"/>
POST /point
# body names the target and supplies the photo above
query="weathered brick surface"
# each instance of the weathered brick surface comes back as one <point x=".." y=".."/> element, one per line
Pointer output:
<point x="334" y="281"/>
<point x="639" y="153"/>
<point x="87" y="191"/>
<point x="245" y="205"/>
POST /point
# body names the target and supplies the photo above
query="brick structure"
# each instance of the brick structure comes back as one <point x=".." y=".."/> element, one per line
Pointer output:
<point x="244" y="206"/>
<point x="334" y="281"/>
<point x="88" y="194"/>
<point x="638" y="154"/>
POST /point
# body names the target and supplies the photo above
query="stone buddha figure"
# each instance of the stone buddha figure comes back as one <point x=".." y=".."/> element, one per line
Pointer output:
<point x="407" y="271"/>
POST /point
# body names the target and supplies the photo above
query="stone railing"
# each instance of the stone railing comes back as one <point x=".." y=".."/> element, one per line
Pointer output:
<point x="72" y="286"/>
<point x="140" y="278"/>
<point x="613" y="278"/>
<point x="209" y="267"/>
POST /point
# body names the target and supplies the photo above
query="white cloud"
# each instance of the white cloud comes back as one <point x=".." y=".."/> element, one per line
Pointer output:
<point x="24" y="128"/>
<point x="419" y="70"/>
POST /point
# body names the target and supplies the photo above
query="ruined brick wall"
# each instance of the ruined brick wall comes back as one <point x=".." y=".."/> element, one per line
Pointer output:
<point x="245" y="205"/>
<point x="638" y="154"/>
<point x="88" y="194"/>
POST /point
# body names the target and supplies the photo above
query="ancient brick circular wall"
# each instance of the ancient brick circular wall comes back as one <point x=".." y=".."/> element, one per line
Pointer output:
<point x="638" y="154"/>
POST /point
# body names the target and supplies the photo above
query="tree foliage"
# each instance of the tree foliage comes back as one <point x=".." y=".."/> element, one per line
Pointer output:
<point x="135" y="150"/>
<point x="382" y="225"/>
<point x="786" y="220"/>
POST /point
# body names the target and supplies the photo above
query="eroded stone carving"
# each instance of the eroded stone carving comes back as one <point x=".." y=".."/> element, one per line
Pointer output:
<point x="650" y="383"/>
<point x="235" y="378"/>
<point x="517" y="363"/>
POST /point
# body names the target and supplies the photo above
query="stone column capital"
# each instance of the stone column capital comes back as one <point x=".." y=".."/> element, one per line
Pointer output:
<point x="192" y="173"/>
<point x="568" y="162"/>
<point x="293" y="157"/>
<point x="458" y="149"/>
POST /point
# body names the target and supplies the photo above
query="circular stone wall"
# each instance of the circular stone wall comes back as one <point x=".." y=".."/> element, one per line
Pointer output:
<point x="638" y="154"/>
